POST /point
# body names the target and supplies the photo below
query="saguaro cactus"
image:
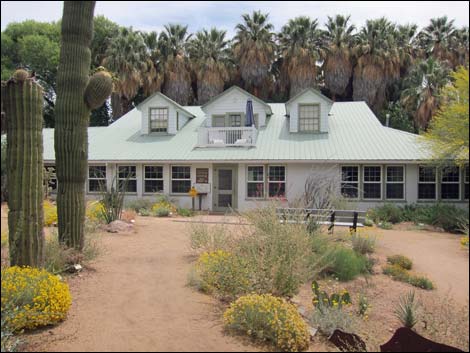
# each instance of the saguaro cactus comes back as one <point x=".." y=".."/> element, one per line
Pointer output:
<point x="77" y="94"/>
<point x="22" y="100"/>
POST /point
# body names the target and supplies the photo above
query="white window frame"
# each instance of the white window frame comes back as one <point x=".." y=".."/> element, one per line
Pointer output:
<point x="351" y="182"/>
<point x="395" y="182"/>
<point x="103" y="178"/>
<point x="145" y="179"/>
<point x="428" y="182"/>
<point x="277" y="182"/>
<point x="179" y="179"/>
<point x="450" y="182"/>
<point x="466" y="177"/>
<point x="313" y="118"/>
<point x="256" y="182"/>
<point x="372" y="182"/>
<point x="159" y="120"/>
<point x="134" y="178"/>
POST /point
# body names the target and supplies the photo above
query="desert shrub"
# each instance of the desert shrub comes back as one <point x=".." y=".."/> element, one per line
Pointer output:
<point x="445" y="216"/>
<point x="161" y="211"/>
<point x="39" y="298"/>
<point x="368" y="222"/>
<point x="388" y="213"/>
<point x="268" y="318"/>
<point x="363" y="305"/>
<point x="210" y="238"/>
<point x="145" y="213"/>
<point x="406" y="310"/>
<point x="139" y="204"/>
<point x="9" y="341"/>
<point x="185" y="212"/>
<point x="223" y="274"/>
<point x="50" y="213"/>
<point x="386" y="225"/>
<point x="332" y="318"/>
<point x="163" y="201"/>
<point x="400" y="260"/>
<point x="363" y="243"/>
<point x="464" y="241"/>
<point x="94" y="211"/>
<point x="421" y="282"/>
<point x="346" y="264"/>
<point x="397" y="273"/>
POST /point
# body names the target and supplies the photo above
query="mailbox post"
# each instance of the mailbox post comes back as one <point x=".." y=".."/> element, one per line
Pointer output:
<point x="193" y="194"/>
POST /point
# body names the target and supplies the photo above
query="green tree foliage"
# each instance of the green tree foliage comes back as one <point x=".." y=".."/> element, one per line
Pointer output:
<point x="449" y="130"/>
<point x="399" y="118"/>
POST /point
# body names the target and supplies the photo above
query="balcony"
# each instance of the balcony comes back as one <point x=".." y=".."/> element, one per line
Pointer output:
<point x="242" y="136"/>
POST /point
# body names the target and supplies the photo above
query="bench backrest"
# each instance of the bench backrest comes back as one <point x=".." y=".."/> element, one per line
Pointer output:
<point x="302" y="214"/>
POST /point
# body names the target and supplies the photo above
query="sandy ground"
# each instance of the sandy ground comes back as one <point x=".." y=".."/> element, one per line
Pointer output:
<point x="136" y="298"/>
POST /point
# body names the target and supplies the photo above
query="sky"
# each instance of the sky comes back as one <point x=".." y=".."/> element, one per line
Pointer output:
<point x="153" y="15"/>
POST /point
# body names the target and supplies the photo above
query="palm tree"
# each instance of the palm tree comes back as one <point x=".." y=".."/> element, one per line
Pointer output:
<point x="338" y="61"/>
<point x="152" y="78"/>
<point x="405" y="38"/>
<point x="459" y="47"/>
<point x="127" y="58"/>
<point x="378" y="62"/>
<point x="209" y="53"/>
<point x="421" y="95"/>
<point x="299" y="42"/>
<point x="435" y="39"/>
<point x="177" y="83"/>
<point x="254" y="51"/>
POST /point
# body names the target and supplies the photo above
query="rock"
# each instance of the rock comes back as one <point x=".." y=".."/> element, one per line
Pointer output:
<point x="119" y="226"/>
<point x="302" y="311"/>
<point x="312" y="331"/>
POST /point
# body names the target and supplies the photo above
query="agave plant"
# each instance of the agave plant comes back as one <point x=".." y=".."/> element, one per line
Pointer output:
<point x="338" y="62"/>
<point x="173" y="42"/>
<point x="254" y="51"/>
<point x="299" y="43"/>
<point x="209" y="52"/>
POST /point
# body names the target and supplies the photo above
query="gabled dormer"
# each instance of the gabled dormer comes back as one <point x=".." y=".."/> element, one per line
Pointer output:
<point x="228" y="109"/>
<point x="308" y="112"/>
<point x="161" y="115"/>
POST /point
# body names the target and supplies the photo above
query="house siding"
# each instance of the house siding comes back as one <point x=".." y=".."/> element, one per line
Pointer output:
<point x="309" y="97"/>
<point x="234" y="102"/>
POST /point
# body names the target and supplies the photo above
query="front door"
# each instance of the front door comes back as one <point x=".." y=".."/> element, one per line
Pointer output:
<point x="224" y="188"/>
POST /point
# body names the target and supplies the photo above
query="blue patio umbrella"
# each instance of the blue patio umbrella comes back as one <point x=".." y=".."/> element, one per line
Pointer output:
<point x="250" y="120"/>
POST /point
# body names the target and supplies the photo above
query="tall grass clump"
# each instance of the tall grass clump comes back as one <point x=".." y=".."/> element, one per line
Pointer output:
<point x="345" y="264"/>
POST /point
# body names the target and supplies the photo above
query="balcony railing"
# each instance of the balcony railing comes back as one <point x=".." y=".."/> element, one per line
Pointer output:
<point x="227" y="136"/>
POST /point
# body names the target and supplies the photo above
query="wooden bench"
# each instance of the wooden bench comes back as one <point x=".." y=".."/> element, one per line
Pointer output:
<point x="348" y="218"/>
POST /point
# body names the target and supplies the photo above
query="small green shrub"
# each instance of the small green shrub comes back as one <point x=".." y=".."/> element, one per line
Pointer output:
<point x="388" y="213"/>
<point x="9" y="341"/>
<point x="420" y="282"/>
<point x="145" y="212"/>
<point x="185" y="212"/>
<point x="363" y="305"/>
<point x="223" y="274"/>
<point x="268" y="318"/>
<point x="400" y="260"/>
<point x="445" y="216"/>
<point x="363" y="243"/>
<point x="397" y="273"/>
<point x="161" y="211"/>
<point x="139" y="205"/>
<point x="386" y="225"/>
<point x="406" y="310"/>
<point x="210" y="238"/>
<point x="346" y="264"/>
<point x="332" y="318"/>
<point x="368" y="222"/>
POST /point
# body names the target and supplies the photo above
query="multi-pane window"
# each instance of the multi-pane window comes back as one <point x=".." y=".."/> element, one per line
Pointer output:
<point x="450" y="183"/>
<point x="466" y="178"/>
<point x="51" y="178"/>
<point x="277" y="181"/>
<point x="309" y="118"/>
<point x="180" y="179"/>
<point x="427" y="183"/>
<point x="158" y="119"/>
<point x="127" y="179"/>
<point x="372" y="182"/>
<point x="96" y="178"/>
<point x="395" y="183"/>
<point x="235" y="120"/>
<point x="350" y="181"/>
<point x="153" y="179"/>
<point x="255" y="182"/>
<point x="218" y="121"/>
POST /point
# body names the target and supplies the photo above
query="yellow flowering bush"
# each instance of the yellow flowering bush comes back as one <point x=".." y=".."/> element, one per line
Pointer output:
<point x="222" y="273"/>
<point x="94" y="211"/>
<point x="268" y="318"/>
<point x="50" y="213"/>
<point x="33" y="297"/>
<point x="464" y="241"/>
<point x="163" y="204"/>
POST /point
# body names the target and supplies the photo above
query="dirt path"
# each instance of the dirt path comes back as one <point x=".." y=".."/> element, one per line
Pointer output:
<point x="437" y="255"/>
<point x="137" y="300"/>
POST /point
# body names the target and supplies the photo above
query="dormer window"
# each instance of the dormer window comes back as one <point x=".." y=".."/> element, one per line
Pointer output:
<point x="309" y="117"/>
<point x="158" y="119"/>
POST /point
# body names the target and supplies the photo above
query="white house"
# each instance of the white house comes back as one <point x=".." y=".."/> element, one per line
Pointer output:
<point x="167" y="148"/>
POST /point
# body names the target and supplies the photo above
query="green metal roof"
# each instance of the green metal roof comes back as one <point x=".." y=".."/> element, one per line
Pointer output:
<point x="354" y="135"/>
<point x="168" y="99"/>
